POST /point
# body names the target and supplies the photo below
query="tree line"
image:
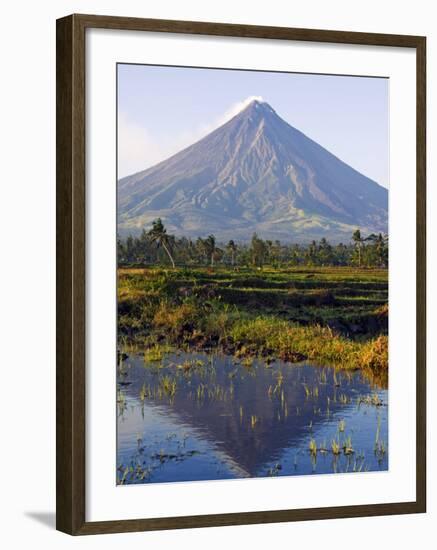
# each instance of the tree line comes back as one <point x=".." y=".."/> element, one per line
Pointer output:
<point x="156" y="246"/>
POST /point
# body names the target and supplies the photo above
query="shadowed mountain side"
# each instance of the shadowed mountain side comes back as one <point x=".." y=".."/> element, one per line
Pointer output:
<point x="254" y="173"/>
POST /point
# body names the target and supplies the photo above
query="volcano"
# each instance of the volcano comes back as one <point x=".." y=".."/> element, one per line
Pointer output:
<point x="255" y="173"/>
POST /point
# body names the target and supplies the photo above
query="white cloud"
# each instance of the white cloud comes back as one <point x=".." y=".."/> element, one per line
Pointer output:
<point x="237" y="107"/>
<point x="136" y="147"/>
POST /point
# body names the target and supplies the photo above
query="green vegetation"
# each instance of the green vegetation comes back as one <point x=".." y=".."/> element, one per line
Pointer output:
<point x="219" y="325"/>
<point x="329" y="315"/>
<point x="318" y="302"/>
<point x="158" y="236"/>
<point x="158" y="247"/>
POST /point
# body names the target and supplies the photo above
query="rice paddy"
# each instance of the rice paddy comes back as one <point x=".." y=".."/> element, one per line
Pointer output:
<point x="218" y="419"/>
<point x="247" y="372"/>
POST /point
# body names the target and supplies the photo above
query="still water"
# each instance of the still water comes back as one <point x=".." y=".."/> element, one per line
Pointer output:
<point x="200" y="416"/>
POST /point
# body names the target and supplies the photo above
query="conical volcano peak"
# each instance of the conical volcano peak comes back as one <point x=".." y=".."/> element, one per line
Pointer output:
<point x="258" y="105"/>
<point x="255" y="173"/>
<point x="257" y="113"/>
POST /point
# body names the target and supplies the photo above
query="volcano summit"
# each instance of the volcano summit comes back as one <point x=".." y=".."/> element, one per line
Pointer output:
<point x="255" y="173"/>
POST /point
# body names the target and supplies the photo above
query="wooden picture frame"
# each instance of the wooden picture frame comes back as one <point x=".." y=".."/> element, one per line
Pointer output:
<point x="71" y="254"/>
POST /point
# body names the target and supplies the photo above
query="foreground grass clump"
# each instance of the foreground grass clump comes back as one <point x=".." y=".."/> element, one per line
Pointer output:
<point x="374" y="354"/>
<point x="313" y="342"/>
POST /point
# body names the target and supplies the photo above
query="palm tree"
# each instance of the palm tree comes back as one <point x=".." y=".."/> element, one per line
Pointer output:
<point x="379" y="243"/>
<point x="311" y="253"/>
<point x="325" y="252"/>
<point x="258" y="249"/>
<point x="158" y="235"/>
<point x="276" y="251"/>
<point x="232" y="248"/>
<point x="269" y="248"/>
<point x="356" y="237"/>
<point x="201" y="248"/>
<point x="217" y="254"/>
<point x="209" y="244"/>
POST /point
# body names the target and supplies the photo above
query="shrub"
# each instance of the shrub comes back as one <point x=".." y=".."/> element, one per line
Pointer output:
<point x="374" y="354"/>
<point x="174" y="317"/>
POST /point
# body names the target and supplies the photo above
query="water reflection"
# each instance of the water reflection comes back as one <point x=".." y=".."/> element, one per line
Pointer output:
<point x="205" y="416"/>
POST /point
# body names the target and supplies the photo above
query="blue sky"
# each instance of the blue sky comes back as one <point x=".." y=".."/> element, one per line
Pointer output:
<point x="164" y="109"/>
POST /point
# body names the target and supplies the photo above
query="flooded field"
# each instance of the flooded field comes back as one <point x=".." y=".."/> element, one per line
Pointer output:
<point x="203" y="416"/>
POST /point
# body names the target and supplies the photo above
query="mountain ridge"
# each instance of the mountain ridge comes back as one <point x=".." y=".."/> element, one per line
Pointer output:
<point x="257" y="173"/>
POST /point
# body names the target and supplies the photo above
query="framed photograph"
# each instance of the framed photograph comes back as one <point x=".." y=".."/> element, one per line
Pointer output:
<point x="240" y="274"/>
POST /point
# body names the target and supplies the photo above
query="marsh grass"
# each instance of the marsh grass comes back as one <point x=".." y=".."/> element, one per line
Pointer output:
<point x="156" y="353"/>
<point x="315" y="343"/>
<point x="276" y="314"/>
<point x="347" y="446"/>
<point x="370" y="400"/>
<point x="313" y="447"/>
<point x="380" y="448"/>
<point x="335" y="447"/>
<point x="344" y="399"/>
<point x="323" y="377"/>
<point x="167" y="385"/>
<point x="311" y="392"/>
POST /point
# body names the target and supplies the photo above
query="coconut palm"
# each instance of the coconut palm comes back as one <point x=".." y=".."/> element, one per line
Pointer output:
<point x="210" y="248"/>
<point x="158" y="235"/>
<point x="201" y="248"/>
<point x="380" y="245"/>
<point x="358" y="240"/>
<point x="258" y="249"/>
<point x="232" y="249"/>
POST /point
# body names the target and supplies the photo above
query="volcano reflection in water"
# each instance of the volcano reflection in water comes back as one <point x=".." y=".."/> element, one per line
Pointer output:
<point x="198" y="416"/>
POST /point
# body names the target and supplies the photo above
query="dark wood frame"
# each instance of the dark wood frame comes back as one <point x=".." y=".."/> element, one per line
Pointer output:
<point x="70" y="298"/>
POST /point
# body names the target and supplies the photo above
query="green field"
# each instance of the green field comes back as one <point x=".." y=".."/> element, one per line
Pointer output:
<point x="332" y="316"/>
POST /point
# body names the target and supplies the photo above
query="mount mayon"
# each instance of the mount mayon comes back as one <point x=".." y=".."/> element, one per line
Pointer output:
<point x="255" y="173"/>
